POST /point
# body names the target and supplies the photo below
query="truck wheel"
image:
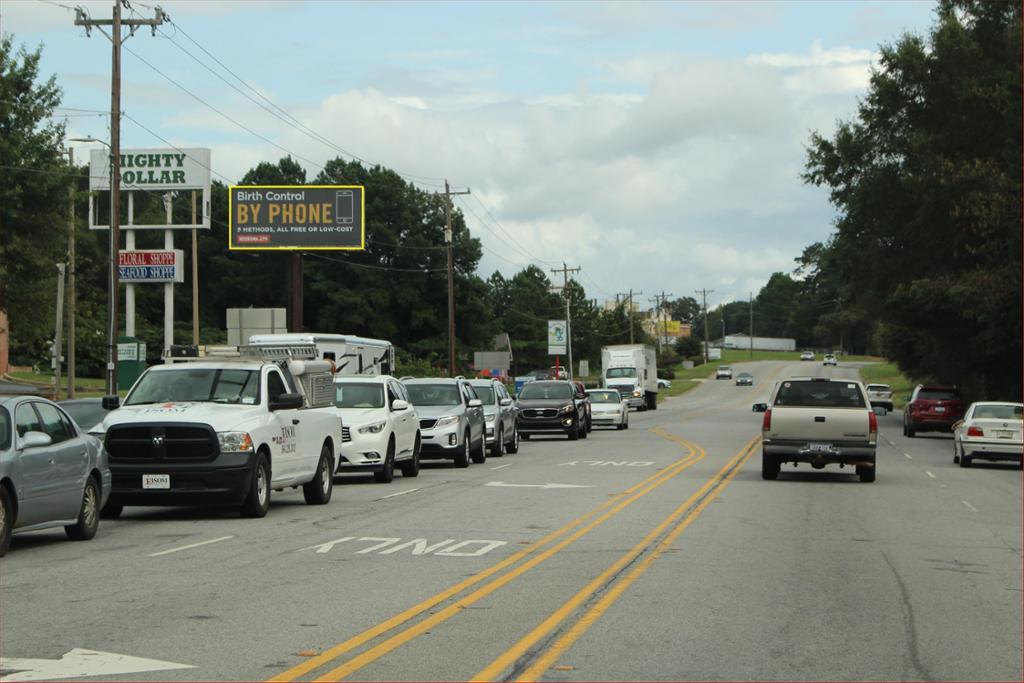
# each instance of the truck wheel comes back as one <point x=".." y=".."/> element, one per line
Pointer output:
<point x="111" y="510"/>
<point x="318" y="490"/>
<point x="257" y="502"/>
<point x="462" y="459"/>
<point x="866" y="472"/>
<point x="88" y="514"/>
<point x="769" y="466"/>
<point x="514" y="446"/>
<point x="652" y="401"/>
<point x="498" y="449"/>
<point x="386" y="473"/>
<point x="479" y="453"/>
<point x="411" y="467"/>
<point x="6" y="520"/>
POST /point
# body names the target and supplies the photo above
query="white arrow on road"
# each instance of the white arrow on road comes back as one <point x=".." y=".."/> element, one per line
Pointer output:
<point x="79" y="662"/>
<point x="537" y="486"/>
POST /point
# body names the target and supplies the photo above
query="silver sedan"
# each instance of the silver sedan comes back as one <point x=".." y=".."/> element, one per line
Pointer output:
<point x="608" y="407"/>
<point x="52" y="474"/>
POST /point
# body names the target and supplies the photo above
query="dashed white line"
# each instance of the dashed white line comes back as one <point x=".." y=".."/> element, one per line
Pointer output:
<point x="501" y="467"/>
<point x="400" y="493"/>
<point x="190" y="545"/>
<point x="929" y="474"/>
<point x="907" y="456"/>
<point x="969" y="506"/>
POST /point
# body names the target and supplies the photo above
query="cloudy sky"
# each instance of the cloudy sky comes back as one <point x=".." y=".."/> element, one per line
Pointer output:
<point x="657" y="145"/>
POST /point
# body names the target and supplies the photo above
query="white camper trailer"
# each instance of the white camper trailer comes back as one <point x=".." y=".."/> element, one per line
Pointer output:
<point x="353" y="356"/>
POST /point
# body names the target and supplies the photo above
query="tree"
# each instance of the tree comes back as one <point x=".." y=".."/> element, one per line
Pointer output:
<point x="927" y="180"/>
<point x="33" y="227"/>
<point x="685" y="309"/>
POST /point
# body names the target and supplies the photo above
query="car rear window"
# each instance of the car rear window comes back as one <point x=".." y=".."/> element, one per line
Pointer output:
<point x="820" y="394"/>
<point x="939" y="395"/>
<point x="998" y="412"/>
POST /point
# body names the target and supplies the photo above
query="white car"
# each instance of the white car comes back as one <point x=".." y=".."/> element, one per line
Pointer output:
<point x="664" y="384"/>
<point x="829" y="359"/>
<point x="380" y="429"/>
<point x="608" y="407"/>
<point x="807" y="355"/>
<point x="880" y="395"/>
<point x="723" y="372"/>
<point x="989" y="431"/>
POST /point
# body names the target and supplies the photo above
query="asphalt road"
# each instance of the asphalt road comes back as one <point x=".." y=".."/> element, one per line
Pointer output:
<point x="656" y="553"/>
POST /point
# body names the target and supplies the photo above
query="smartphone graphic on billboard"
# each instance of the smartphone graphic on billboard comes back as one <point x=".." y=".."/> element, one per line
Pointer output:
<point x="344" y="207"/>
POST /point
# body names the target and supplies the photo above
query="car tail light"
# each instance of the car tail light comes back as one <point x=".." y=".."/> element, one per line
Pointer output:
<point x="975" y="431"/>
<point x="766" y="423"/>
<point x="872" y="422"/>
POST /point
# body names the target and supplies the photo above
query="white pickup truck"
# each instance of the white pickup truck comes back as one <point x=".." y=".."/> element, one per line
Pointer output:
<point x="225" y="431"/>
<point x="820" y="421"/>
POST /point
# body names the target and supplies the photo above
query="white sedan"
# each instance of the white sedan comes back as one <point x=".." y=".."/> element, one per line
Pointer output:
<point x="608" y="407"/>
<point x="989" y="431"/>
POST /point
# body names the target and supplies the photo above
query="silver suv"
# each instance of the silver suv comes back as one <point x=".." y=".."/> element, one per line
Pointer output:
<point x="500" y="416"/>
<point x="451" y="419"/>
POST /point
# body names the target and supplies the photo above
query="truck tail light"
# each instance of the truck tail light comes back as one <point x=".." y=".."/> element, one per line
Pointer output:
<point x="975" y="431"/>
<point x="872" y="422"/>
<point x="766" y="423"/>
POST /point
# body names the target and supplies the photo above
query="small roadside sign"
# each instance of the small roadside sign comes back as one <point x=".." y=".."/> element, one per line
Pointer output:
<point x="557" y="337"/>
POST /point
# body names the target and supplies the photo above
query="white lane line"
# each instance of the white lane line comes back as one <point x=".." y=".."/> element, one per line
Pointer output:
<point x="400" y="493"/>
<point x="969" y="506"/>
<point x="929" y="474"/>
<point x="907" y="456"/>
<point x="501" y="467"/>
<point x="190" y="545"/>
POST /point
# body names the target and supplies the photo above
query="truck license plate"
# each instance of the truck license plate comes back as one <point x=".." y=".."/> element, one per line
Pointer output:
<point x="819" y="447"/>
<point x="156" y="481"/>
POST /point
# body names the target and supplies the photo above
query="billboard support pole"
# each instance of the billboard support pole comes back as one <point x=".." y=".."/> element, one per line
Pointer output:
<point x="168" y="286"/>
<point x="129" y="288"/>
<point x="195" y="275"/>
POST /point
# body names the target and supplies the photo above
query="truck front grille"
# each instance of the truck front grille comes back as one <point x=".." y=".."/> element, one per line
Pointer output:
<point x="160" y="441"/>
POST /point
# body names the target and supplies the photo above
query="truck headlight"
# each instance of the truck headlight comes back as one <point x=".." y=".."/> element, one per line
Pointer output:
<point x="235" y="442"/>
<point x="447" y="421"/>
<point x="375" y="428"/>
<point x="637" y="393"/>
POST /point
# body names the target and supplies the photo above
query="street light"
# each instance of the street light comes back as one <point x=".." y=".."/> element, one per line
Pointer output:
<point x="111" y="400"/>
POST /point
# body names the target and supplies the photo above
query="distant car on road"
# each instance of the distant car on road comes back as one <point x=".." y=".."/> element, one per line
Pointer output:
<point x="550" y="407"/>
<point x="829" y="359"/>
<point x="664" y="384"/>
<point x="723" y="372"/>
<point x="880" y="395"/>
<point x="989" y="431"/>
<point x="807" y="355"/>
<point x="609" y="408"/>
<point x="52" y="474"/>
<point x="500" y="416"/>
<point x="932" y="409"/>
<point x="744" y="379"/>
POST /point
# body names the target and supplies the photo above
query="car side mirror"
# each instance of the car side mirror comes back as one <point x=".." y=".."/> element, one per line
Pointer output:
<point x="286" y="402"/>
<point x="880" y="410"/>
<point x="506" y="401"/>
<point x="760" y="408"/>
<point x="35" y="440"/>
<point x="399" y="404"/>
<point x="475" y="403"/>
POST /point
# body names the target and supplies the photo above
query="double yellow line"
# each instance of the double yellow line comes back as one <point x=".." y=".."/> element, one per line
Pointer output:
<point x="606" y="582"/>
<point x="582" y="526"/>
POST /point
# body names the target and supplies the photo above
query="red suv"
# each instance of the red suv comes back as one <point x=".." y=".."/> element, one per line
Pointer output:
<point x="932" y="409"/>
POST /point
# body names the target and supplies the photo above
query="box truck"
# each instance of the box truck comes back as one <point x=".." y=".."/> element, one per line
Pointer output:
<point x="633" y="370"/>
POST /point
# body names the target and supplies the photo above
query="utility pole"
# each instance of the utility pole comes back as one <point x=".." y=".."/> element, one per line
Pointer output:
<point x="628" y="296"/>
<point x="451" y="274"/>
<point x="704" y="293"/>
<point x="111" y="400"/>
<point x="659" y="311"/>
<point x="565" y="270"/>
<point x="751" y="326"/>
<point x="58" y="342"/>
<point x="72" y="304"/>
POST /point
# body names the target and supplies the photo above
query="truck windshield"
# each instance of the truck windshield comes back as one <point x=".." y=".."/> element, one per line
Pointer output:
<point x="433" y="394"/>
<point x="196" y="385"/>
<point x="820" y="394"/>
<point x="620" y="372"/>
<point x="545" y="391"/>
<point x="358" y="395"/>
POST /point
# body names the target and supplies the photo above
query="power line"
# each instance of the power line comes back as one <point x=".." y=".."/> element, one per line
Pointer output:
<point x="373" y="267"/>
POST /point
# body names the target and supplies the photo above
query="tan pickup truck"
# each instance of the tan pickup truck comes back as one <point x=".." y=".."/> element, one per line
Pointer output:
<point x="820" y="421"/>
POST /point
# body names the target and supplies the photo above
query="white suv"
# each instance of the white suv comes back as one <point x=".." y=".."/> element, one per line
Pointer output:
<point x="379" y="430"/>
